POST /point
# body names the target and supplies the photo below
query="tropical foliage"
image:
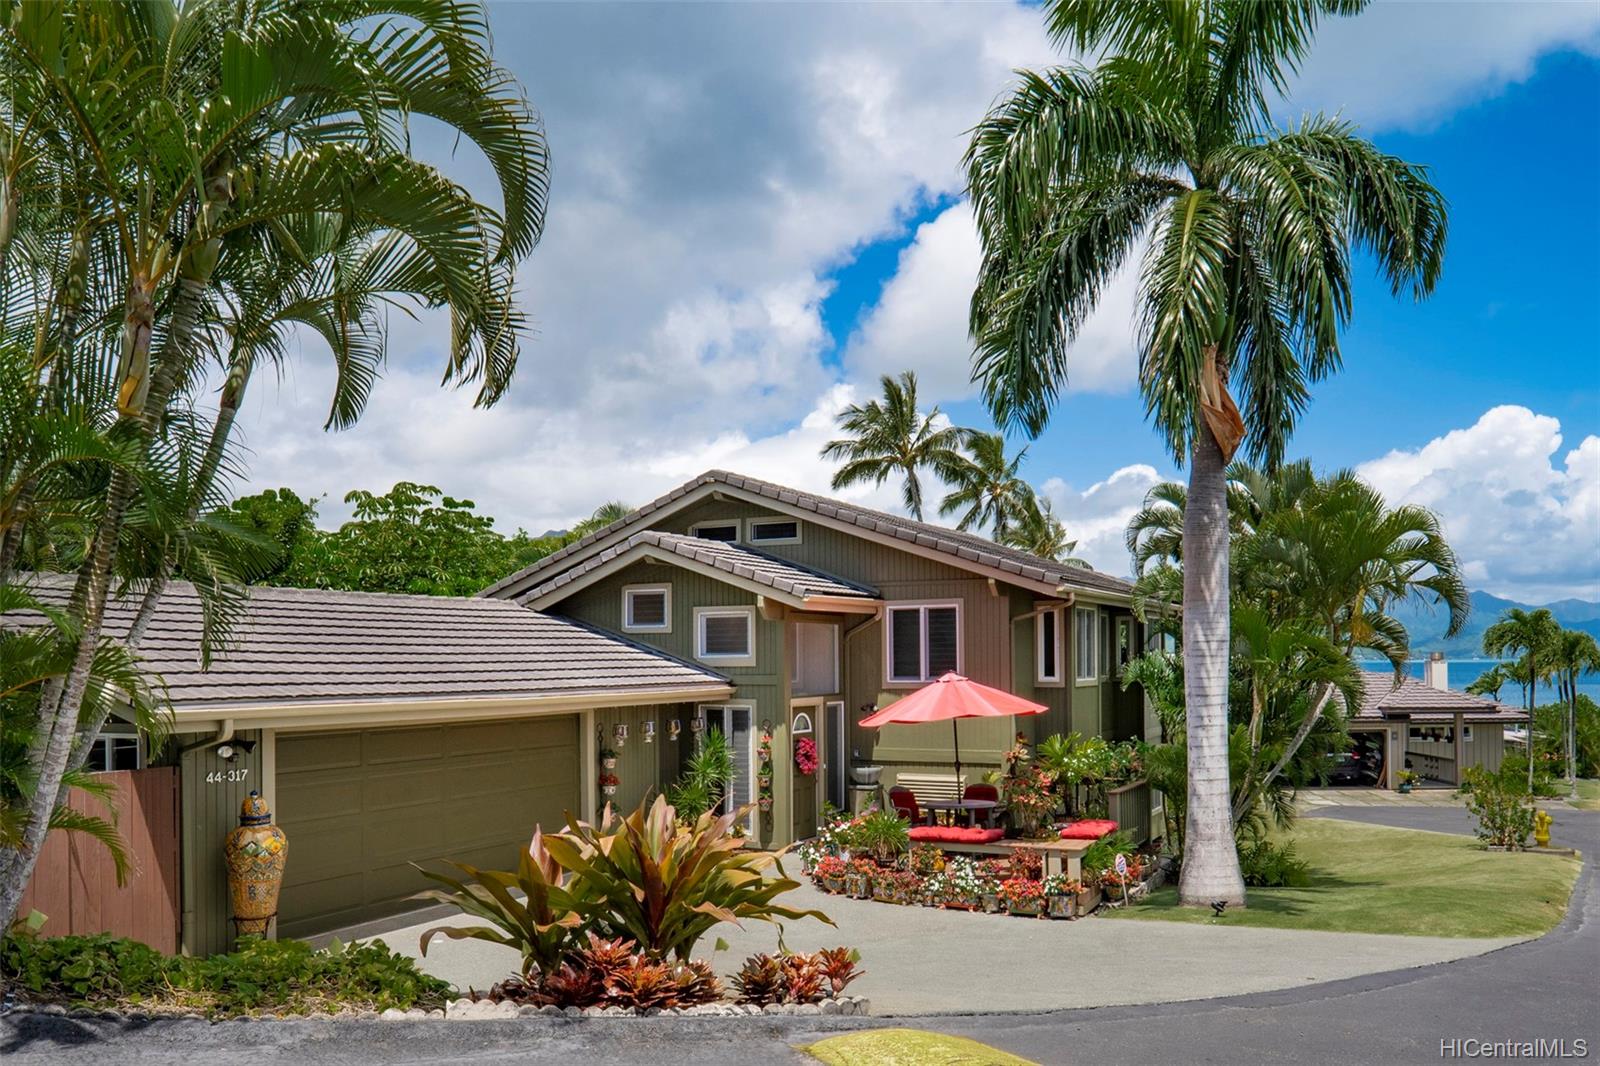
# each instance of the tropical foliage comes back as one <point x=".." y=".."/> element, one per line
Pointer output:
<point x="1247" y="230"/>
<point x="890" y="437"/>
<point x="190" y="187"/>
<point x="1544" y="653"/>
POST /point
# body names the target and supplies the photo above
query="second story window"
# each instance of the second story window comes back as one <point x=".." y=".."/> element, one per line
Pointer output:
<point x="724" y="531"/>
<point x="921" y="641"/>
<point x="647" y="609"/>
<point x="1085" y="629"/>
<point x="774" y="531"/>
<point x="1047" y="647"/>
<point x="725" y="635"/>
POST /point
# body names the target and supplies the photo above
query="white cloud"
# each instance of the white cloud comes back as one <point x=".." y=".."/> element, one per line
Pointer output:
<point x="1523" y="518"/>
<point x="920" y="321"/>
<point x="1407" y="63"/>
<point x="1097" y="517"/>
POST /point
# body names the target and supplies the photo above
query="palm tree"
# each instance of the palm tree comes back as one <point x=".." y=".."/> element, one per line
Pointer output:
<point x="1528" y="636"/>
<point x="174" y="143"/>
<point x="1245" y="282"/>
<point x="1490" y="682"/>
<point x="986" y="487"/>
<point x="1573" y="653"/>
<point x="607" y="513"/>
<point x="1039" y="532"/>
<point x="889" y="437"/>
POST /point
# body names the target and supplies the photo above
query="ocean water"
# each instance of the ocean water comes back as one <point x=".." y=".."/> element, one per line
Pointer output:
<point x="1464" y="672"/>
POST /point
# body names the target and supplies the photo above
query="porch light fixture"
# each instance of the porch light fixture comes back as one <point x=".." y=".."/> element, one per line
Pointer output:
<point x="649" y="731"/>
<point x="619" y="733"/>
<point x="674" y="727"/>
<point x="697" y="724"/>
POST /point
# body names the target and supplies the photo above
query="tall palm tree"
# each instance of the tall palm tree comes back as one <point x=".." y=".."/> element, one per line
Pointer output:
<point x="1245" y="283"/>
<point x="889" y="437"/>
<point x="1527" y="636"/>
<point x="986" y="487"/>
<point x="1573" y="653"/>
<point x="1039" y="532"/>
<point x="174" y="142"/>
<point x="1490" y="682"/>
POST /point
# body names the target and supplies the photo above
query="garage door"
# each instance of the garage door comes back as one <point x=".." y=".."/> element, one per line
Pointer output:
<point x="360" y="807"/>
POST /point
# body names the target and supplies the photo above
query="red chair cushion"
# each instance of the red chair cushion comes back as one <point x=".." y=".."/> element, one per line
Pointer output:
<point x="953" y="834"/>
<point x="1088" y="829"/>
<point x="982" y="792"/>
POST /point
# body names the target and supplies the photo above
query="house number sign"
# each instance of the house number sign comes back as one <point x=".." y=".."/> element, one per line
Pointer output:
<point x="227" y="777"/>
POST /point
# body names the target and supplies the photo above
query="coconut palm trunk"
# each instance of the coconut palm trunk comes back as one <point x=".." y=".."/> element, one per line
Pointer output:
<point x="1210" y="863"/>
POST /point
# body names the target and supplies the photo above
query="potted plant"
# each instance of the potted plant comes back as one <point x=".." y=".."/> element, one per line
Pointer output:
<point x="1408" y="779"/>
<point x="1023" y="896"/>
<point x="990" y="874"/>
<point x="829" y="873"/>
<point x="1030" y="800"/>
<point x="858" y="878"/>
<point x="608" y="759"/>
<point x="609" y="782"/>
<point x="884" y="835"/>
<point x="1061" y="895"/>
<point x="960" y="887"/>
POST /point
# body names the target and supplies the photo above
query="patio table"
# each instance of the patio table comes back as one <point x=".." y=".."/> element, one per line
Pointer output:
<point x="972" y="807"/>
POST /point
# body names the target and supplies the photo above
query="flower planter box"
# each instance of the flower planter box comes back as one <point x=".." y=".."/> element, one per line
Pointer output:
<point x="833" y="884"/>
<point x="1026" y="908"/>
<point x="857" y="886"/>
<point x="960" y="905"/>
<point x="1088" y="900"/>
<point x="1063" y="907"/>
<point x="991" y="903"/>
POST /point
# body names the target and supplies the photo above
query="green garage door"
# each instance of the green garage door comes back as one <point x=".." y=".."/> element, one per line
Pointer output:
<point x="359" y="807"/>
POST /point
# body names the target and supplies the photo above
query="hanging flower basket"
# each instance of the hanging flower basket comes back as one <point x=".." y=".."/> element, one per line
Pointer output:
<point x="764" y="780"/>
<point x="765" y="803"/>
<point x="609" y="763"/>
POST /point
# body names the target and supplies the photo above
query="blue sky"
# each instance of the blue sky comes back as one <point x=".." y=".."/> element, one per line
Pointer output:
<point x="756" y="210"/>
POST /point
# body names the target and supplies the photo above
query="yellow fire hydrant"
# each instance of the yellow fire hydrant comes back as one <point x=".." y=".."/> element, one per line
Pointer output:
<point x="1541" y="828"/>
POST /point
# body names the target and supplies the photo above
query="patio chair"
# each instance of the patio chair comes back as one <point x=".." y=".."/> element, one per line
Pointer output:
<point x="905" y="801"/>
<point x="984" y="792"/>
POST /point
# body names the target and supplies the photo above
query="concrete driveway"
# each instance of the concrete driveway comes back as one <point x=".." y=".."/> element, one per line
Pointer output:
<point x="925" y="961"/>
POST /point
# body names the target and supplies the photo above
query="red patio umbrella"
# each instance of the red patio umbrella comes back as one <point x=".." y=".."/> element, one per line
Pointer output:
<point x="953" y="697"/>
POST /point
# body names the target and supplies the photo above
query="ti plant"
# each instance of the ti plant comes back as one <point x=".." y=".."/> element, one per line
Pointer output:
<point x="540" y="924"/>
<point x="664" y="886"/>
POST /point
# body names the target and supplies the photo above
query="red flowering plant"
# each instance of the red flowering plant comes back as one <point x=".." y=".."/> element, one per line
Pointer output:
<point x="805" y="756"/>
<point x="993" y="871"/>
<point x="829" y="868"/>
<point x="1026" y="862"/>
<point x="1030" y="799"/>
<point x="1022" y="891"/>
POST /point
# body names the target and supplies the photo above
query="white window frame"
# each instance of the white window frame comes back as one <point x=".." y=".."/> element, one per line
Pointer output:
<point x="923" y="606"/>
<point x="738" y="529"/>
<point x="630" y="591"/>
<point x="1107" y="638"/>
<point x="750" y="525"/>
<point x="747" y="613"/>
<point x="1039" y="676"/>
<point x="1093" y="665"/>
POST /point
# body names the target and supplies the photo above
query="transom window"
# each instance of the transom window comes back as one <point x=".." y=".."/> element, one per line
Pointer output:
<point x="647" y="608"/>
<point x="774" y="531"/>
<point x="922" y="641"/>
<point x="726" y="635"/>
<point x="1047" y="646"/>
<point x="1084" y="632"/>
<point x="113" y="751"/>
<point x="725" y="531"/>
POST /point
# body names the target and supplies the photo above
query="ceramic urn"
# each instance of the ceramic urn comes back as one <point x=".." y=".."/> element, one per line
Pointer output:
<point x="255" y="854"/>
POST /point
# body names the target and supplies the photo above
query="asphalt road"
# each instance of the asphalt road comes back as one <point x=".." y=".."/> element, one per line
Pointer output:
<point x="1546" y="989"/>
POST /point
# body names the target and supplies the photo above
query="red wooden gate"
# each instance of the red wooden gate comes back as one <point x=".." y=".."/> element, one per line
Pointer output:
<point x="75" y="884"/>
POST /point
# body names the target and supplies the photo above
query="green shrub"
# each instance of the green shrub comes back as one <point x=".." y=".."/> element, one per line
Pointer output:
<point x="283" y="976"/>
<point x="1265" y="864"/>
<point x="1501" y="804"/>
<point x="883" y="834"/>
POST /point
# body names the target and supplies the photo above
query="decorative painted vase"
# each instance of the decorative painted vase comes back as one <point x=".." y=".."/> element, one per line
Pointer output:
<point x="255" y="854"/>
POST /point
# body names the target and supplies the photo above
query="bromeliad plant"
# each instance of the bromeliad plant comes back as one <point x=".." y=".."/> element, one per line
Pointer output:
<point x="665" y="886"/>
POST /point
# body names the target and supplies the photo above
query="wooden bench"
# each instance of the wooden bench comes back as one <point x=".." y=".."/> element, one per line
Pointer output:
<point x="1057" y="854"/>
<point x="931" y="786"/>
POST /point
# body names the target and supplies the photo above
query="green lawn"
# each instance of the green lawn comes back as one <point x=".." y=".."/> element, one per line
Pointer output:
<point x="1372" y="879"/>
<point x="909" y="1047"/>
<point x="1588" y="794"/>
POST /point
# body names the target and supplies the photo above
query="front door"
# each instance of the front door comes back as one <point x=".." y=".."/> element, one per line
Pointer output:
<point x="805" y="744"/>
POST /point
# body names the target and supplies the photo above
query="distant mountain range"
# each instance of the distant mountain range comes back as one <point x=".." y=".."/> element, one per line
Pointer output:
<point x="1427" y="624"/>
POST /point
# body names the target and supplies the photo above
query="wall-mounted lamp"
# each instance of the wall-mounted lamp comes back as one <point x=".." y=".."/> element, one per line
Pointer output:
<point x="232" y="750"/>
<point x="697" y="724"/>
<point x="649" y="730"/>
<point x="674" y="727"/>
<point x="619" y="733"/>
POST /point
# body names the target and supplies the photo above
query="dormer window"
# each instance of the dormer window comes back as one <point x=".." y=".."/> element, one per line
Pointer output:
<point x="727" y="532"/>
<point x="647" y="609"/>
<point x="774" y="531"/>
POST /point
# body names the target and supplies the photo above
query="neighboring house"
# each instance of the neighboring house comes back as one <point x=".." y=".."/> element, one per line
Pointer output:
<point x="391" y="729"/>
<point x="1428" y="728"/>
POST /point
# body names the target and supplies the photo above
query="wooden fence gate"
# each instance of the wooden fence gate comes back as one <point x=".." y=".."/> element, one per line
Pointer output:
<point x="75" y="883"/>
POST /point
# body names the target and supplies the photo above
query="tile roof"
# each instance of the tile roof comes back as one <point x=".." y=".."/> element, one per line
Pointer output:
<point x="733" y="559"/>
<point x="1381" y="698"/>
<point x="967" y="547"/>
<point x="321" y="646"/>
